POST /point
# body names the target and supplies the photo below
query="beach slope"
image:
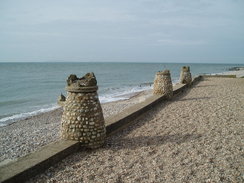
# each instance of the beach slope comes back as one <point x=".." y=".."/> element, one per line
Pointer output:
<point x="196" y="137"/>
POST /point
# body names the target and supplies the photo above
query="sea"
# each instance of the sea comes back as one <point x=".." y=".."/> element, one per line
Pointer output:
<point x="28" y="89"/>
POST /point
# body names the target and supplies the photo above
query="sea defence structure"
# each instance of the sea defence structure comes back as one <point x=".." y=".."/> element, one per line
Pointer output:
<point x="82" y="118"/>
<point x="185" y="75"/>
<point x="163" y="84"/>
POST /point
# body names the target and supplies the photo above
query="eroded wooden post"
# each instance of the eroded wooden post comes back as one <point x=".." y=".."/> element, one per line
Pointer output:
<point x="61" y="100"/>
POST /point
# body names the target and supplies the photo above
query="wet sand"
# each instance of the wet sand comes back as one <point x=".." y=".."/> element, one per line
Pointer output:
<point x="196" y="137"/>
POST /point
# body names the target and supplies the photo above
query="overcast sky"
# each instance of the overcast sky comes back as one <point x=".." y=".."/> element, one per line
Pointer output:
<point x="122" y="30"/>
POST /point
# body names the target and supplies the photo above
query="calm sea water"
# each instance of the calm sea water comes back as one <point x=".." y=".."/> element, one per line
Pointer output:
<point x="31" y="88"/>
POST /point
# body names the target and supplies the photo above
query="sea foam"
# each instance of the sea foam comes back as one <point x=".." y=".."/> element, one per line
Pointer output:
<point x="11" y="119"/>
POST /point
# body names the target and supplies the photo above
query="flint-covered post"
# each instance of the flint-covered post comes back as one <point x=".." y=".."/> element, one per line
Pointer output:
<point x="82" y="119"/>
<point x="163" y="84"/>
<point x="185" y="75"/>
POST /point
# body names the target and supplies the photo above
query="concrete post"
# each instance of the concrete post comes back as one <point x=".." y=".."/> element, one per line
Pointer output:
<point x="82" y="119"/>
<point x="163" y="84"/>
<point x="185" y="75"/>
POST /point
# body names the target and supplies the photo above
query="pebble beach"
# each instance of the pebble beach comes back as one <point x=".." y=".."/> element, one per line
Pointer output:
<point x="32" y="133"/>
<point x="143" y="91"/>
<point x="195" y="137"/>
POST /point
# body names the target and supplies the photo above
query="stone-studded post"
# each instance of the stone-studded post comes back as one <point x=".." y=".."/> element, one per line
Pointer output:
<point x="185" y="75"/>
<point x="163" y="84"/>
<point x="82" y="119"/>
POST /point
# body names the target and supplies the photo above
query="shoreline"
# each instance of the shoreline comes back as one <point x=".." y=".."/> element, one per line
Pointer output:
<point x="27" y="135"/>
<point x="238" y="71"/>
<point x="36" y="113"/>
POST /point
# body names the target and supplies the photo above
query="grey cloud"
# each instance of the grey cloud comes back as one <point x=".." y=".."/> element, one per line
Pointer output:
<point x="109" y="30"/>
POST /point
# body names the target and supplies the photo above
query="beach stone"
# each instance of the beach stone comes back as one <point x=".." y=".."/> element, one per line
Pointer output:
<point x="163" y="84"/>
<point x="83" y="114"/>
<point x="185" y="75"/>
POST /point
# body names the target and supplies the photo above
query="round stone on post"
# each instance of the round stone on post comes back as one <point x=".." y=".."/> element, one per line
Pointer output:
<point x="82" y="119"/>
<point x="185" y="75"/>
<point x="163" y="84"/>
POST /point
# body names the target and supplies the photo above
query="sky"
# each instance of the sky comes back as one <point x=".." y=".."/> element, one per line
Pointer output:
<point x="195" y="31"/>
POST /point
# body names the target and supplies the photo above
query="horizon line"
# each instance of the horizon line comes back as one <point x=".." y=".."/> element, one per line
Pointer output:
<point x="155" y="62"/>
